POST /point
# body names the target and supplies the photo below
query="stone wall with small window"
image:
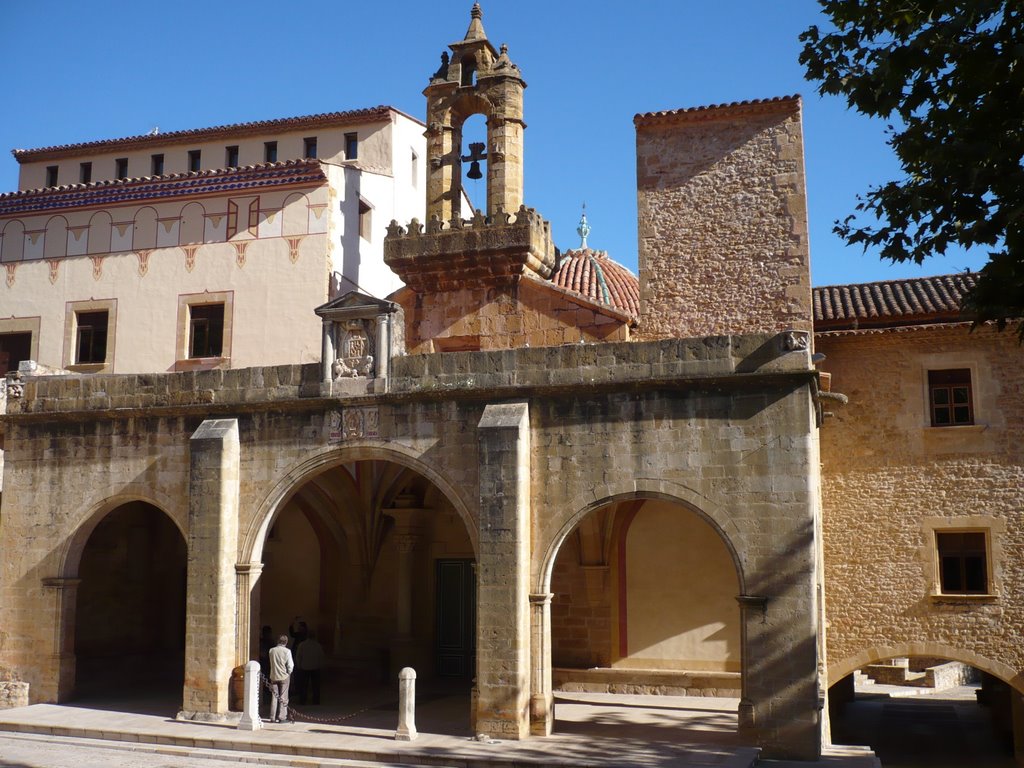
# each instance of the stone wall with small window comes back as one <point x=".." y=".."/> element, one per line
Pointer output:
<point x="923" y="494"/>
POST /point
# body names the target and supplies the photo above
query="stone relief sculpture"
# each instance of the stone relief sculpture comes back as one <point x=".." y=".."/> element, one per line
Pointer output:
<point x="354" y="358"/>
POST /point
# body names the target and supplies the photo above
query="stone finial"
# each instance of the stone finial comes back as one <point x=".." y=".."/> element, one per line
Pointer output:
<point x="476" y="25"/>
<point x="583" y="229"/>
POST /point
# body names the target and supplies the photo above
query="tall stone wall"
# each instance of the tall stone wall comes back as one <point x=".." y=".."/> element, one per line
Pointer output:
<point x="723" y="220"/>
<point x="890" y="480"/>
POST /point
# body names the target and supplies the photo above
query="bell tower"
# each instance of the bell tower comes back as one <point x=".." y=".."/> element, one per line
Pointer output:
<point x="475" y="79"/>
<point x="462" y="263"/>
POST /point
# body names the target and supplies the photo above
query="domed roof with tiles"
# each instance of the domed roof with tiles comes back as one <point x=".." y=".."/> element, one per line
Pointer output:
<point x="594" y="275"/>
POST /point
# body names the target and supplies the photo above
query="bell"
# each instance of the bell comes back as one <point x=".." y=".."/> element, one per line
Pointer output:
<point x="474" y="171"/>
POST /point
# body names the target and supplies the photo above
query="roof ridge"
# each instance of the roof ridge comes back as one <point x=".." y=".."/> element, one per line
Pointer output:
<point x="103" y="183"/>
<point x="173" y="137"/>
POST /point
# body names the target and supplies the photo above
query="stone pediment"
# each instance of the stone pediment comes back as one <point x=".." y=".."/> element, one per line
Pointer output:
<point x="353" y="305"/>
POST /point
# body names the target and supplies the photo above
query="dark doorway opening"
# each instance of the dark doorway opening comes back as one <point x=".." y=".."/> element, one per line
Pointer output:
<point x="130" y="613"/>
<point x="456" y="618"/>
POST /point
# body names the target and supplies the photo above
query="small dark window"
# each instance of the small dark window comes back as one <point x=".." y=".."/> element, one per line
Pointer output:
<point x="121" y="168"/>
<point x="309" y="147"/>
<point x="195" y="159"/>
<point x="468" y="70"/>
<point x="156" y="165"/>
<point x="231" y="157"/>
<point x="206" y="330"/>
<point x="14" y="347"/>
<point x="963" y="562"/>
<point x="51" y="175"/>
<point x="351" y="146"/>
<point x="270" y="151"/>
<point x="84" y="173"/>
<point x="415" y="169"/>
<point x="950" y="397"/>
<point x="91" y="337"/>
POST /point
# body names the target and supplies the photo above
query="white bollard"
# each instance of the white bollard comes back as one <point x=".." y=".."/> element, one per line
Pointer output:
<point x="251" y="701"/>
<point x="406" y="705"/>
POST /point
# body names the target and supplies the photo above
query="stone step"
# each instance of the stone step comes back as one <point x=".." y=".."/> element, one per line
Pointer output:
<point x="646" y="681"/>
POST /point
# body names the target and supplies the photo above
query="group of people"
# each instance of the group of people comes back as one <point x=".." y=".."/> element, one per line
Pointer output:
<point x="282" y="664"/>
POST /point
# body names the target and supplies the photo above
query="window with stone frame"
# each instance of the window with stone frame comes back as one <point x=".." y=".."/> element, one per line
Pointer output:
<point x="963" y="558"/>
<point x="14" y="348"/>
<point x="91" y="330"/>
<point x="950" y="397"/>
<point x="206" y="330"/>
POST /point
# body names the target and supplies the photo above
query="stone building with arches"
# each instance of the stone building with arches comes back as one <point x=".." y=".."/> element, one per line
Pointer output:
<point x="531" y="470"/>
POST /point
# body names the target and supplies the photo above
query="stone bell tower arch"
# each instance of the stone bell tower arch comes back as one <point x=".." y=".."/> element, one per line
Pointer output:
<point x="475" y="79"/>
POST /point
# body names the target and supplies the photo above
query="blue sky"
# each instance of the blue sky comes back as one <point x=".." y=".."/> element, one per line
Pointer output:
<point x="104" y="69"/>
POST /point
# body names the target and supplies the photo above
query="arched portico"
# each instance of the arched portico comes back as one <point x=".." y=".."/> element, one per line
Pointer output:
<point x="362" y="542"/>
<point x="67" y="584"/>
<point x="120" y="600"/>
<point x="630" y="626"/>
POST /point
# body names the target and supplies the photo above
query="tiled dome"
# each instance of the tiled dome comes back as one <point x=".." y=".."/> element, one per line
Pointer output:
<point x="603" y="281"/>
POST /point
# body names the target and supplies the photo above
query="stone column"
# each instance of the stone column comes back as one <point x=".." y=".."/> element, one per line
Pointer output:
<point x="327" y="352"/>
<point x="210" y="636"/>
<point x="405" y="651"/>
<point x="65" y="603"/>
<point x="383" y="361"/>
<point x="246" y="574"/>
<point x="503" y="622"/>
<point x="542" y="699"/>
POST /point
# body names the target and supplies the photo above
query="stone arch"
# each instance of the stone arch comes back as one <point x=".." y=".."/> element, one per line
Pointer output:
<point x="71" y="553"/>
<point x="643" y="488"/>
<point x="308" y="468"/>
<point x="875" y="653"/>
<point x="69" y="564"/>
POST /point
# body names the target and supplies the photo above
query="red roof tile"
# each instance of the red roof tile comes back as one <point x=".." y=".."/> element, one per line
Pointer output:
<point x="595" y="276"/>
<point x="715" y="110"/>
<point x="326" y="119"/>
<point x="891" y="302"/>
<point x="125" y="191"/>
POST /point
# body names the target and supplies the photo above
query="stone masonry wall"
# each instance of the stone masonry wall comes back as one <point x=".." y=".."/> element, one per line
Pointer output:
<point x="723" y="220"/>
<point x="890" y="480"/>
<point x="724" y="425"/>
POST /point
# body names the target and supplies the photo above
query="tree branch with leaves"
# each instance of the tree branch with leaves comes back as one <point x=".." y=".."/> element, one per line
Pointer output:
<point x="949" y="75"/>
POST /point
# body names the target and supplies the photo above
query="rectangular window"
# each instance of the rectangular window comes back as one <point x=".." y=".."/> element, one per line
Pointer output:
<point x="949" y="394"/>
<point x="156" y="165"/>
<point x="14" y="347"/>
<point x="195" y="160"/>
<point x="51" y="175"/>
<point x="84" y="173"/>
<point x="415" y="168"/>
<point x="270" y="151"/>
<point x="309" y="147"/>
<point x="206" y="330"/>
<point x="231" y="157"/>
<point x="91" y="337"/>
<point x="963" y="562"/>
<point x="351" y="146"/>
<point x="121" y="168"/>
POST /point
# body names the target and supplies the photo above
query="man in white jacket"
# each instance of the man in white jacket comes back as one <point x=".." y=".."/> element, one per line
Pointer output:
<point x="281" y="666"/>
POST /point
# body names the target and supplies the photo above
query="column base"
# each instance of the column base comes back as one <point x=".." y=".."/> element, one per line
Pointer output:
<point x="542" y="715"/>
